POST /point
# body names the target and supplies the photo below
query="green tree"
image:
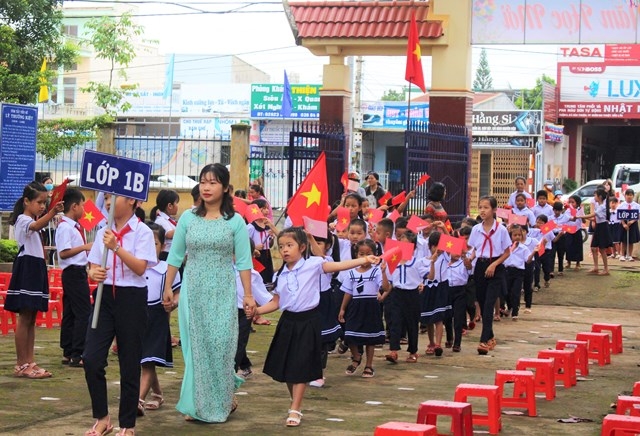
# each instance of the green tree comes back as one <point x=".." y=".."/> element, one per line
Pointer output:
<point x="30" y="31"/>
<point x="483" y="80"/>
<point x="393" y="95"/>
<point x="531" y="99"/>
<point x="111" y="40"/>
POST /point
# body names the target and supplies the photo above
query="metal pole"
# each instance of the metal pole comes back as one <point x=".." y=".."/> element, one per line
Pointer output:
<point x="103" y="264"/>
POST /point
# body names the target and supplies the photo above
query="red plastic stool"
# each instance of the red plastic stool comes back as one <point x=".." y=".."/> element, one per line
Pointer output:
<point x="564" y="363"/>
<point x="545" y="381"/>
<point x="629" y="404"/>
<point x="460" y="413"/>
<point x="524" y="385"/>
<point x="582" y="355"/>
<point x="7" y="321"/>
<point x="405" y="429"/>
<point x="636" y="389"/>
<point x="612" y="424"/>
<point x="493" y="418"/>
<point x="598" y="347"/>
<point x="54" y="314"/>
<point x="616" y="334"/>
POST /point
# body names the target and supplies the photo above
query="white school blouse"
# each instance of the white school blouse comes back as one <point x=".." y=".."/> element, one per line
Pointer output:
<point x="30" y="240"/>
<point x="299" y="287"/>
<point x="411" y="274"/>
<point x="164" y="221"/>
<point x="258" y="290"/>
<point x="512" y="198"/>
<point x="69" y="236"/>
<point x="525" y="211"/>
<point x="518" y="257"/>
<point x="156" y="277"/>
<point x="492" y="244"/>
<point x="365" y="284"/>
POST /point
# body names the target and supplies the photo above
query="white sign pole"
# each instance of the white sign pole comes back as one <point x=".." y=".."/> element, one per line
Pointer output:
<point x="105" y="253"/>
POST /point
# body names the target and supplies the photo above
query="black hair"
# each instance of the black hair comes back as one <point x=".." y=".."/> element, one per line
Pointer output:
<point x="257" y="188"/>
<point x="524" y="227"/>
<point x="297" y="234"/>
<point x="386" y="224"/>
<point x="252" y="246"/>
<point x="401" y="222"/>
<point x="164" y="198"/>
<point x="543" y="218"/>
<point x="240" y="193"/>
<point x="374" y="174"/>
<point x="427" y="216"/>
<point x="577" y="199"/>
<point x="519" y="195"/>
<point x="410" y="236"/>
<point x="541" y="193"/>
<point x="71" y="196"/>
<point x="436" y="191"/>
<point x="629" y="191"/>
<point x="358" y="222"/>
<point x="30" y="192"/>
<point x="221" y="174"/>
<point x="434" y="239"/>
<point x="260" y="203"/>
<point x="465" y="231"/>
<point x="521" y="178"/>
<point x="368" y="242"/>
<point x="195" y="192"/>
<point x="355" y="196"/>
<point x="140" y="213"/>
<point x="558" y="206"/>
<point x="157" y="230"/>
<point x="613" y="200"/>
<point x="600" y="192"/>
<point x="515" y="227"/>
<point x="492" y="201"/>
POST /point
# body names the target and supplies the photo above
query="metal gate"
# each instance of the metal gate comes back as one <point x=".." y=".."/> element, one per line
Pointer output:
<point x="284" y="168"/>
<point x="443" y="152"/>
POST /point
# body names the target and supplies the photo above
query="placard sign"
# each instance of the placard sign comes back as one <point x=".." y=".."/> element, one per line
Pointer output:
<point x="18" y="131"/>
<point x="115" y="175"/>
<point x="627" y="214"/>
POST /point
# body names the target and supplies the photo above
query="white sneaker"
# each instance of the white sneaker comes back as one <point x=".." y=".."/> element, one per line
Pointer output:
<point x="629" y="259"/>
<point x="317" y="383"/>
<point x="527" y="311"/>
<point x="621" y="258"/>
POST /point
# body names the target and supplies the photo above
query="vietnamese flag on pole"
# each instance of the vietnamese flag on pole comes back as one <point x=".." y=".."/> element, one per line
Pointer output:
<point x="240" y="206"/>
<point x="548" y="227"/>
<point x="451" y="245"/>
<point x="541" y="247"/>
<point x="416" y="224"/>
<point x="448" y="226"/>
<point x="393" y="258"/>
<point x="569" y="229"/>
<point x="393" y="216"/>
<point x="399" y="199"/>
<point x="383" y="200"/>
<point x="423" y="179"/>
<point x="259" y="267"/>
<point x="406" y="248"/>
<point x="253" y="213"/>
<point x="58" y="193"/>
<point x="312" y="197"/>
<point x="375" y="215"/>
<point x="344" y="218"/>
<point x="91" y="217"/>
<point x="344" y="180"/>
<point x="413" y="73"/>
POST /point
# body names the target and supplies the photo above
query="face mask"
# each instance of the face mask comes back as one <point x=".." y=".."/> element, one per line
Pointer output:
<point x="48" y="186"/>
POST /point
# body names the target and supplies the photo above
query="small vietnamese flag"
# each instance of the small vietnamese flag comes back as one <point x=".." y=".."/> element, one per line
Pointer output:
<point x="517" y="219"/>
<point x="415" y="224"/>
<point x="548" y="227"/>
<point x="541" y="248"/>
<point x="374" y="216"/>
<point x="253" y="213"/>
<point x="393" y="258"/>
<point x="451" y="245"/>
<point x="530" y="202"/>
<point x="312" y="197"/>
<point x="344" y="218"/>
<point x="91" y="217"/>
<point x="383" y="200"/>
<point x="399" y="199"/>
<point x="240" y="206"/>
<point x="573" y="211"/>
<point x="58" y="193"/>
<point x="344" y="180"/>
<point x="393" y="216"/>
<point x="315" y="227"/>
<point x="423" y="179"/>
<point x="448" y="226"/>
<point x="405" y="247"/>
<point x="257" y="265"/>
<point x="503" y="213"/>
<point x="569" y="229"/>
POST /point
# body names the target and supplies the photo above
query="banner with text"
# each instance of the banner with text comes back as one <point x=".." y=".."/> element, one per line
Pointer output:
<point x="266" y="101"/>
<point x="507" y="123"/>
<point x="215" y="99"/>
<point x="392" y="114"/>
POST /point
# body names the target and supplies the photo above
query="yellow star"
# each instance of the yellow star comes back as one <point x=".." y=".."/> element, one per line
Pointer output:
<point x="313" y="196"/>
<point x="394" y="258"/>
<point x="344" y="220"/>
<point x="88" y="216"/>
<point x="449" y="244"/>
<point x="417" y="52"/>
<point x="254" y="210"/>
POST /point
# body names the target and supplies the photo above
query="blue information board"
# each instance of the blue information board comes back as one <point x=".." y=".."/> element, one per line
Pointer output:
<point x="627" y="214"/>
<point x="115" y="175"/>
<point x="18" y="131"/>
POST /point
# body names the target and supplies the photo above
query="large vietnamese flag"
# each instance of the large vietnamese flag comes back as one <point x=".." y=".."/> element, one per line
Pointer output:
<point x="312" y="197"/>
<point x="413" y="73"/>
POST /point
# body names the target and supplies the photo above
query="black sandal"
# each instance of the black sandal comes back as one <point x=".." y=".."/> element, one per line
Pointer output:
<point x="351" y="369"/>
<point x="368" y="372"/>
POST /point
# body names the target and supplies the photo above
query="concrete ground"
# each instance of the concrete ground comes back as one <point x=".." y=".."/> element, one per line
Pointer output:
<point x="353" y="405"/>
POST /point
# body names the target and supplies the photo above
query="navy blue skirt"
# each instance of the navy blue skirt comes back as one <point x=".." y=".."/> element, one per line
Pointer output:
<point x="29" y="285"/>
<point x="634" y="234"/>
<point x="601" y="236"/>
<point x="156" y="345"/>
<point x="330" y="329"/>
<point x="438" y="304"/>
<point x="363" y="321"/>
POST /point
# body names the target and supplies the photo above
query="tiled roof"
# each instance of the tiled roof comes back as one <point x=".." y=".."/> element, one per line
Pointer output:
<point x="360" y="19"/>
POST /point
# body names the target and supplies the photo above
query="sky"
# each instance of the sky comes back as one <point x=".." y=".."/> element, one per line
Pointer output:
<point x="259" y="33"/>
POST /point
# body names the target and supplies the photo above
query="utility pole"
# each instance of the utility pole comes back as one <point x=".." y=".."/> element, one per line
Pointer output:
<point x="356" y="140"/>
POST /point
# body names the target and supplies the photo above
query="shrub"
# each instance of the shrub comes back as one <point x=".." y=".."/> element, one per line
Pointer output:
<point x="8" y="250"/>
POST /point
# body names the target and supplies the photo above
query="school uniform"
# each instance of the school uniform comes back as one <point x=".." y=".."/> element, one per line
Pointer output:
<point x="470" y="288"/>
<point x="294" y="355"/>
<point x="601" y="237"/>
<point x="512" y="198"/>
<point x="615" y="227"/>
<point x="632" y="233"/>
<point x="573" y="241"/>
<point x="330" y="329"/>
<point x="515" y="266"/>
<point x="156" y="345"/>
<point x="438" y="304"/>
<point x="489" y="247"/>
<point x="527" y="279"/>
<point x="169" y="225"/>
<point x="29" y="284"/>
<point x="76" y="302"/>
<point x="558" y="247"/>
<point x="543" y="262"/>
<point x="543" y="210"/>
<point x="404" y="302"/>
<point x="123" y="315"/>
<point x="458" y="277"/>
<point x="363" y="317"/>
<point x="262" y="297"/>
<point x="525" y="211"/>
<point x="261" y="236"/>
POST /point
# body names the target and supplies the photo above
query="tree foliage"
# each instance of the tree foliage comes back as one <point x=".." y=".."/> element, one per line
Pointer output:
<point x="30" y="31"/>
<point x="111" y="40"/>
<point x="483" y="80"/>
<point x="393" y="95"/>
<point x="56" y="136"/>
<point x="531" y="99"/>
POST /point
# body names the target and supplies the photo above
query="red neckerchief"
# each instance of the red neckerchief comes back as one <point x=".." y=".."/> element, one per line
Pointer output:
<point x="487" y="238"/>
<point x="79" y="229"/>
<point x="119" y="235"/>
<point x="172" y="221"/>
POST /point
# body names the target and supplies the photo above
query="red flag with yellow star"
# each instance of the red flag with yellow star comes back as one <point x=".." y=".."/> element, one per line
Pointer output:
<point x="253" y="213"/>
<point x="58" y="193"/>
<point x="451" y="245"/>
<point x="312" y="197"/>
<point x="393" y="257"/>
<point x="413" y="73"/>
<point x="91" y="217"/>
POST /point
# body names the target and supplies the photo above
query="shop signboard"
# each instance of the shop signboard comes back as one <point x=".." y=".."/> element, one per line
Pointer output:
<point x="392" y="114"/>
<point x="266" y="101"/>
<point x="507" y="123"/>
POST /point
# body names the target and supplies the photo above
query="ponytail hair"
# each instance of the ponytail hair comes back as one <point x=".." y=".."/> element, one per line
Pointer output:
<point x="164" y="198"/>
<point x="221" y="174"/>
<point x="30" y="192"/>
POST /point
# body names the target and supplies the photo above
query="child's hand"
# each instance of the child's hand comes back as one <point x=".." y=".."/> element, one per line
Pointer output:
<point x="411" y="194"/>
<point x="98" y="274"/>
<point x="59" y="207"/>
<point x="332" y="226"/>
<point x="383" y="265"/>
<point x="382" y="297"/>
<point x="109" y="240"/>
<point x="371" y="260"/>
<point x="87" y="247"/>
<point x="341" y="316"/>
<point x="490" y="271"/>
<point x="420" y="288"/>
<point x="167" y="301"/>
<point x="259" y="247"/>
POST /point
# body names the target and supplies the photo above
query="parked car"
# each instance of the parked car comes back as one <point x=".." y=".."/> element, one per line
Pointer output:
<point x="585" y="191"/>
<point x="173" y="181"/>
<point x="626" y="174"/>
